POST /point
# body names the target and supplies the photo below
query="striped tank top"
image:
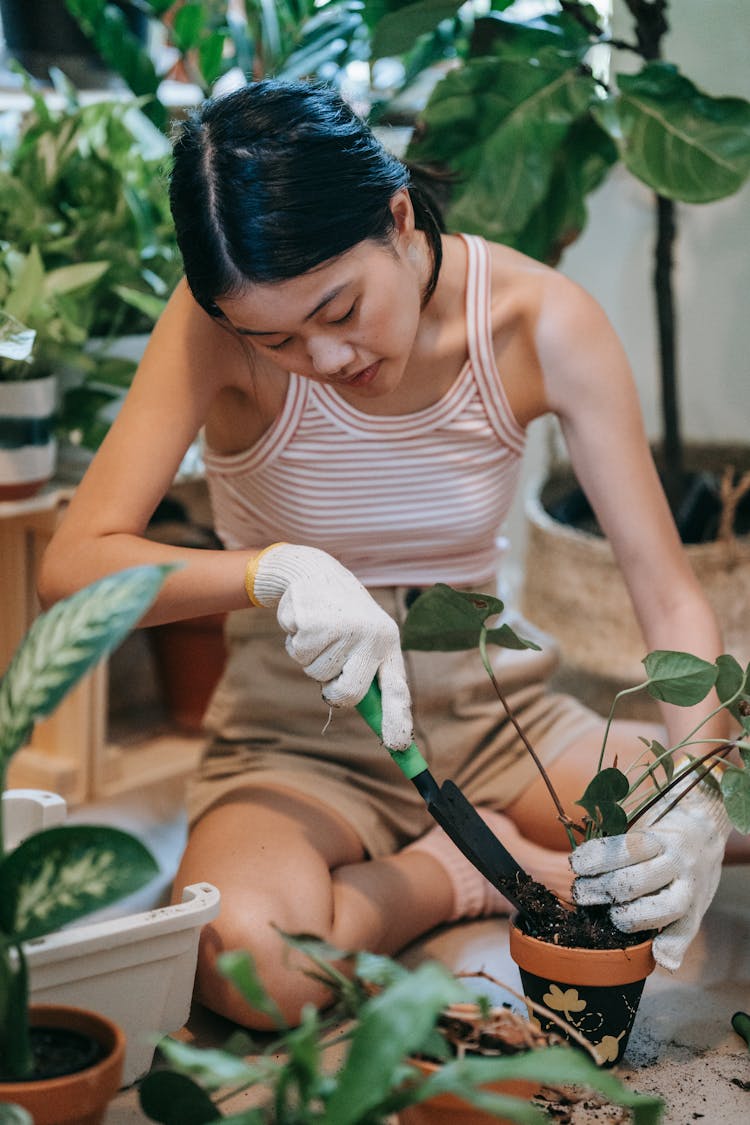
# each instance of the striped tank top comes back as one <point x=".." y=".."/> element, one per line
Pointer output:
<point x="403" y="500"/>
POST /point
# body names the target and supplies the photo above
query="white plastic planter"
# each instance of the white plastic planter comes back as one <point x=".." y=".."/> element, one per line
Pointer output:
<point x="137" y="969"/>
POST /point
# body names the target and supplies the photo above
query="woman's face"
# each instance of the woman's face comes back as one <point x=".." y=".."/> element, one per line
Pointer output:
<point x="351" y="322"/>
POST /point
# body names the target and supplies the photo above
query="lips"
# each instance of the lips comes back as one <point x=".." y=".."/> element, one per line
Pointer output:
<point x="363" y="377"/>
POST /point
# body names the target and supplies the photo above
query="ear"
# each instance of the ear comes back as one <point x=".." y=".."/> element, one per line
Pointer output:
<point x="403" y="212"/>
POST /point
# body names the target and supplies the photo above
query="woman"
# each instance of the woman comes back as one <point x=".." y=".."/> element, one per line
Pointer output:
<point x="364" y="382"/>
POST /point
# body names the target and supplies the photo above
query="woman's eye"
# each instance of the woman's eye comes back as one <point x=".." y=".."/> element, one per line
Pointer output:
<point x="277" y="347"/>
<point x="346" y="316"/>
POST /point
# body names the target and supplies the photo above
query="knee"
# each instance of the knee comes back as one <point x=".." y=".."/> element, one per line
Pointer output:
<point x="280" y="969"/>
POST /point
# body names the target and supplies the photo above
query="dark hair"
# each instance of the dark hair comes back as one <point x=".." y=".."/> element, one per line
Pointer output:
<point x="271" y="180"/>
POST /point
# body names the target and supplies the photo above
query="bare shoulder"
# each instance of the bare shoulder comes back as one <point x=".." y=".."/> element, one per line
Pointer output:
<point x="197" y="344"/>
<point x="554" y="335"/>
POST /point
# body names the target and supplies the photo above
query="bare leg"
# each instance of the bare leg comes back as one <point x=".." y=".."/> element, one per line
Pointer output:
<point x="282" y="859"/>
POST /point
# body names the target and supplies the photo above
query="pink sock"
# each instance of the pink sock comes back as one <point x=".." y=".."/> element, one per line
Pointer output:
<point x="473" y="895"/>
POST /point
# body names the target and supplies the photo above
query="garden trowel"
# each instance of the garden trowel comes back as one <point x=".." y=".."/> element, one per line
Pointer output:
<point x="452" y="811"/>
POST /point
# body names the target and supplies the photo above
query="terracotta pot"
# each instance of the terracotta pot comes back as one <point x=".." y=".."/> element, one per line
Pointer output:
<point x="72" y="1099"/>
<point x="190" y="658"/>
<point x="597" y="991"/>
<point x="448" y="1109"/>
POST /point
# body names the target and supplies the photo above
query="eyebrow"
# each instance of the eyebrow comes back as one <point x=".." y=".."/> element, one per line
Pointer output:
<point x="331" y="295"/>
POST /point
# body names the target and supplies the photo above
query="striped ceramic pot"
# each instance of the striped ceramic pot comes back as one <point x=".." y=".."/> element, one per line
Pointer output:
<point x="28" y="449"/>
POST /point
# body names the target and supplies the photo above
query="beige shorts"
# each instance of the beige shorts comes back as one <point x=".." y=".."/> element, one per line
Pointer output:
<point x="271" y="727"/>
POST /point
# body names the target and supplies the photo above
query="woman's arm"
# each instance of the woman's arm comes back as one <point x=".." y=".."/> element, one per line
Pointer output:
<point x="189" y="359"/>
<point x="588" y="384"/>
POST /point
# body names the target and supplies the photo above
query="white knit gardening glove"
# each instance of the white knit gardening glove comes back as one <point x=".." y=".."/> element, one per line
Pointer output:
<point x="335" y="630"/>
<point x="662" y="876"/>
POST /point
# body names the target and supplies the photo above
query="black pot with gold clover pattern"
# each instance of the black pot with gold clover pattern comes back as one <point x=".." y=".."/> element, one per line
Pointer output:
<point x="596" y="991"/>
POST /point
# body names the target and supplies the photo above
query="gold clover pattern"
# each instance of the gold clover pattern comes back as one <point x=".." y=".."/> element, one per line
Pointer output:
<point x="566" y="1002"/>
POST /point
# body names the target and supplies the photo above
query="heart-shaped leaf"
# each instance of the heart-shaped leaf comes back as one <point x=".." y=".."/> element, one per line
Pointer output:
<point x="679" y="677"/>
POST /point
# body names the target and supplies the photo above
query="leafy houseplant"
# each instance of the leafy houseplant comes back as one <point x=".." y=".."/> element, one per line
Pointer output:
<point x="38" y="331"/>
<point x="527" y="87"/>
<point x="89" y="251"/>
<point x="60" y="874"/>
<point x="383" y="1017"/>
<point x="206" y="38"/>
<point x="615" y="799"/>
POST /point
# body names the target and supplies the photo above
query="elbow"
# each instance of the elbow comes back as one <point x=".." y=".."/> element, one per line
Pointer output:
<point x="50" y="583"/>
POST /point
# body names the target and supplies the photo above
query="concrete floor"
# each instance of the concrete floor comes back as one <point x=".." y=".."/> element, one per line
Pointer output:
<point x="682" y="1046"/>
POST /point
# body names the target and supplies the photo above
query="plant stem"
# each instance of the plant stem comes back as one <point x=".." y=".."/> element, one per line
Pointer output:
<point x="699" y="775"/>
<point x="17" y="1059"/>
<point x="563" y="817"/>
<point x="610" y="718"/>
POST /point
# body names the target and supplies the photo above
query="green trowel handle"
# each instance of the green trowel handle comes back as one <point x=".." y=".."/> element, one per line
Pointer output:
<point x="409" y="761"/>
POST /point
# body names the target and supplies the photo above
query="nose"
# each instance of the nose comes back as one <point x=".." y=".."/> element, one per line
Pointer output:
<point x="329" y="355"/>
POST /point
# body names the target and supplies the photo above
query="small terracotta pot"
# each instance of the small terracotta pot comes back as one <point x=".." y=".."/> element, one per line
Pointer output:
<point x="448" y="1109"/>
<point x="72" y="1099"/>
<point x="596" y="991"/>
<point x="190" y="657"/>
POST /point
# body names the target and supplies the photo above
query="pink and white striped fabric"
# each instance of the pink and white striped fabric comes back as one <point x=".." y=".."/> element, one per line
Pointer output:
<point x="404" y="500"/>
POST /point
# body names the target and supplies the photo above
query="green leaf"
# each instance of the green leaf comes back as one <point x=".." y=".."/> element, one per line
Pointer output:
<point x="682" y="142"/>
<point x="735" y="789"/>
<point x="187" y="26"/>
<point x="730" y="681"/>
<point x="678" y="677"/>
<point x="77" y="276"/>
<point x="502" y="125"/>
<point x="213" y="1067"/>
<point x="210" y="55"/>
<point x="66" y="642"/>
<point x="239" y="968"/>
<point x="553" y="1066"/>
<point x="59" y="875"/>
<point x="446" y="620"/>
<point x="146" y="303"/>
<point x="396" y="32"/>
<point x="174" y="1099"/>
<point x="391" y="1025"/>
<point x="601" y="801"/>
<point x="11" y="1114"/>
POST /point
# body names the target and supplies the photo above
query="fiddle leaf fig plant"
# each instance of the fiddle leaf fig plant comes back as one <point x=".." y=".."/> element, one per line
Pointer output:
<point x="530" y="121"/>
<point x="58" y="875"/>
<point x="444" y="619"/>
<point x="383" y="1015"/>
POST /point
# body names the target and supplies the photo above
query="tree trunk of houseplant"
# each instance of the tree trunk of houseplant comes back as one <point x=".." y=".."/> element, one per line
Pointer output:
<point x="81" y="1097"/>
<point x="597" y="991"/>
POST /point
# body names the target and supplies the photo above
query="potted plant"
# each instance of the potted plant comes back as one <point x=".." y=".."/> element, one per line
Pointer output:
<point x="89" y="254"/>
<point x="589" y="970"/>
<point x="38" y="331"/>
<point x="521" y="85"/>
<point x="359" y="1063"/>
<point x="62" y="1064"/>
